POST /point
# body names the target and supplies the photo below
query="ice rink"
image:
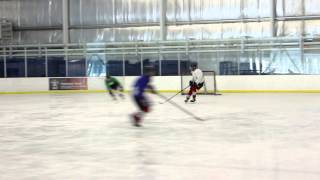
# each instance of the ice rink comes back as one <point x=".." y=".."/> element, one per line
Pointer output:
<point x="89" y="136"/>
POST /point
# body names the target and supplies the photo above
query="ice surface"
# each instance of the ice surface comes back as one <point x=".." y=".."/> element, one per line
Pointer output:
<point x="88" y="136"/>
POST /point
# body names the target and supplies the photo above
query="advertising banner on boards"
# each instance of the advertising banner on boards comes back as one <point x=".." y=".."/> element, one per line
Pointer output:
<point x="68" y="84"/>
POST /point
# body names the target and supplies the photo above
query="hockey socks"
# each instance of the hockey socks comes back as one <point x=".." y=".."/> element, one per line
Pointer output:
<point x="187" y="99"/>
<point x="137" y="119"/>
<point x="193" y="98"/>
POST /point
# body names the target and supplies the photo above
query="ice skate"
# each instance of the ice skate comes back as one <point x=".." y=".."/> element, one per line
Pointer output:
<point x="122" y="96"/>
<point x="136" y="120"/>
<point x="193" y="99"/>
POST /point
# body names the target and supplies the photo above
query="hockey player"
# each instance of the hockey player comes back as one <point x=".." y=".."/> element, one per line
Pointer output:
<point x="113" y="84"/>
<point x="196" y="83"/>
<point x="141" y="85"/>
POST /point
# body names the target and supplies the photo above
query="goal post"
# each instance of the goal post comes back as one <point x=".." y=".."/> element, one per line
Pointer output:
<point x="209" y="87"/>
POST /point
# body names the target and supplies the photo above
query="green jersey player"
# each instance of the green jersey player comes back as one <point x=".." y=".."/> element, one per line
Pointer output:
<point x="112" y="85"/>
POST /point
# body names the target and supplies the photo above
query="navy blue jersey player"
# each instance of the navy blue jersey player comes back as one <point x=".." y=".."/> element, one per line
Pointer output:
<point x="140" y="86"/>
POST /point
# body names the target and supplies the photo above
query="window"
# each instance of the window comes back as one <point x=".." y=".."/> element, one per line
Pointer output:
<point x="185" y="66"/>
<point x="1" y="67"/>
<point x="228" y="63"/>
<point x="312" y="62"/>
<point x="185" y="63"/>
<point x="153" y="61"/>
<point x="56" y="67"/>
<point x="249" y="63"/>
<point x="133" y="66"/>
<point x="115" y="67"/>
<point x="76" y="66"/>
<point x="15" y="67"/>
<point x="36" y="66"/>
<point x="96" y="65"/>
<point x="169" y="65"/>
<point x="227" y="68"/>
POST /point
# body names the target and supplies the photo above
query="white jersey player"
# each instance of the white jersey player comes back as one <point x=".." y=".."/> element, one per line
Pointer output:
<point x="196" y="83"/>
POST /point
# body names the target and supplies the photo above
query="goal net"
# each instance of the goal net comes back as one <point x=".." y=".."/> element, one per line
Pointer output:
<point x="209" y="87"/>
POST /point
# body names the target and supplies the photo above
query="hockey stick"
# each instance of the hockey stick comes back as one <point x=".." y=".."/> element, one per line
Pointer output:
<point x="174" y="95"/>
<point x="181" y="108"/>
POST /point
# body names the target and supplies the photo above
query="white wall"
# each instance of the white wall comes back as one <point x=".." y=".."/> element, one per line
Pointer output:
<point x="167" y="82"/>
<point x="225" y="83"/>
<point x="24" y="84"/>
<point x="277" y="82"/>
<point x="96" y="83"/>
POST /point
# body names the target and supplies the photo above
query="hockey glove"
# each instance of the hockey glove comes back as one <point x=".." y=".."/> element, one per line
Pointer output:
<point x="191" y="83"/>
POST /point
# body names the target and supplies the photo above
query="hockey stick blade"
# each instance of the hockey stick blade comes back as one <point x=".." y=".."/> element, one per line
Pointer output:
<point x="182" y="109"/>
<point x="168" y="99"/>
<point x="199" y="119"/>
